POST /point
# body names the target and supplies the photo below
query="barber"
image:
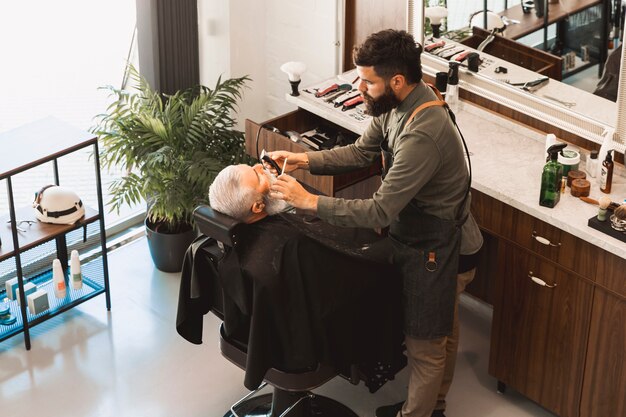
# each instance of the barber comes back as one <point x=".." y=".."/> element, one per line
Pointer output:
<point x="423" y="198"/>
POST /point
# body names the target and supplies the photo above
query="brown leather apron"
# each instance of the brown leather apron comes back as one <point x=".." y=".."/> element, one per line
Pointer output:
<point x="426" y="250"/>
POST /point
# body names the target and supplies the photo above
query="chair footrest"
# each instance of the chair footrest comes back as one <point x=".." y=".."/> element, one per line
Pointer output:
<point x="318" y="406"/>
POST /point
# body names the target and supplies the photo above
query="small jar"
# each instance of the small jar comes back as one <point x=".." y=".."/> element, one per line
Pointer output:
<point x="570" y="159"/>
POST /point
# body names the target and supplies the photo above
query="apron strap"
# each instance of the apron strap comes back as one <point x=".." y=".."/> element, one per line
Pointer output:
<point x="441" y="103"/>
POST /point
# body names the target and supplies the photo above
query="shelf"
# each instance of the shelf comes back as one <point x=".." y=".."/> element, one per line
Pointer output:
<point x="529" y="22"/>
<point x="38" y="232"/>
<point x="93" y="285"/>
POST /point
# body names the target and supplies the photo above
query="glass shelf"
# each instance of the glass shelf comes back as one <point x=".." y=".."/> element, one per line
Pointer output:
<point x="93" y="285"/>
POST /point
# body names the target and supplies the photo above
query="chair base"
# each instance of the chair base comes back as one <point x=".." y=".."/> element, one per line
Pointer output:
<point x="318" y="406"/>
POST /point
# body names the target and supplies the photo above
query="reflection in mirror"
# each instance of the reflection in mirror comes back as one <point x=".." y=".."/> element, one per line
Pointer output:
<point x="572" y="49"/>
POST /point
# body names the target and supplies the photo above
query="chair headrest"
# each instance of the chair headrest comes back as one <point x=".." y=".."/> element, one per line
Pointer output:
<point x="217" y="225"/>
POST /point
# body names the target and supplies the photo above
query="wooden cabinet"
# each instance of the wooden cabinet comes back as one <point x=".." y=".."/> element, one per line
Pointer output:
<point x="562" y="345"/>
<point x="604" y="385"/>
<point x="359" y="184"/>
<point x="539" y="333"/>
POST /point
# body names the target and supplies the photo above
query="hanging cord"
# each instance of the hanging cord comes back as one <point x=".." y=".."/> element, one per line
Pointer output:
<point x="258" y="133"/>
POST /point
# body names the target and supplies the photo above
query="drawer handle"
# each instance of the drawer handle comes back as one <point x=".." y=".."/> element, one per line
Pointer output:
<point x="544" y="241"/>
<point x="539" y="281"/>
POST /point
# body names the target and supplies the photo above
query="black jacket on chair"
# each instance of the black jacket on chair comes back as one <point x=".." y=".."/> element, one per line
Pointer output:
<point x="298" y="293"/>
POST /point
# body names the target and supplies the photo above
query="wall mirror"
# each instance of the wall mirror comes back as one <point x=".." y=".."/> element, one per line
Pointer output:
<point x="560" y="102"/>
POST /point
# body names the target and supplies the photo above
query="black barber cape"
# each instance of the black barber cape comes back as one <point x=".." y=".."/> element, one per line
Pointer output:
<point x="299" y="293"/>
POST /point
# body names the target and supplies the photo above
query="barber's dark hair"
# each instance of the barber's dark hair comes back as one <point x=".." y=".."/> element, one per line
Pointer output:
<point x="391" y="52"/>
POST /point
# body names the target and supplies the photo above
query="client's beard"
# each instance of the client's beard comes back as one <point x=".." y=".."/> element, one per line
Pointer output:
<point x="273" y="205"/>
<point x="383" y="104"/>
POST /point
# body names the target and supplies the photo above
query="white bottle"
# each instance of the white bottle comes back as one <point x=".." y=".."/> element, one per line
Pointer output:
<point x="550" y="140"/>
<point x="76" y="276"/>
<point x="58" y="279"/>
<point x="592" y="164"/>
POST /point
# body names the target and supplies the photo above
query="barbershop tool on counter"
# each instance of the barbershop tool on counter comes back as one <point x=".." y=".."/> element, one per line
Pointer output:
<point x="343" y="89"/>
<point x="433" y="46"/>
<point x="339" y="103"/>
<point x="327" y="90"/>
<point x="350" y="104"/>
<point x="612" y="205"/>
<point x="530" y="86"/>
<point x="568" y="104"/>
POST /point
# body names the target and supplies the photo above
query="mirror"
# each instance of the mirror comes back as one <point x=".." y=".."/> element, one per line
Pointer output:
<point x="571" y="94"/>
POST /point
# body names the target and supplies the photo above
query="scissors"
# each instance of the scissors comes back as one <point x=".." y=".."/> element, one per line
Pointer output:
<point x="568" y="104"/>
<point x="530" y="86"/>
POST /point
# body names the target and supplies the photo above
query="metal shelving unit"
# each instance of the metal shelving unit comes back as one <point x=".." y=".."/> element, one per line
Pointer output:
<point x="26" y="251"/>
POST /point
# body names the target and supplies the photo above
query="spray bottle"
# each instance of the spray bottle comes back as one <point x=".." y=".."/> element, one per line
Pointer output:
<point x="58" y="279"/>
<point x="551" y="177"/>
<point x="452" y="90"/>
<point x="77" y="277"/>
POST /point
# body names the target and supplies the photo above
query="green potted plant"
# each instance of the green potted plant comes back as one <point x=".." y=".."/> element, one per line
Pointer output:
<point x="171" y="147"/>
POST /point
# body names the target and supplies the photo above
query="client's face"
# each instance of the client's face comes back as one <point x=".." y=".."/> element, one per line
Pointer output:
<point x="256" y="178"/>
<point x="260" y="180"/>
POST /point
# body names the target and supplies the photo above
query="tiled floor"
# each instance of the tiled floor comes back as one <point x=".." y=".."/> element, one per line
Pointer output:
<point x="131" y="362"/>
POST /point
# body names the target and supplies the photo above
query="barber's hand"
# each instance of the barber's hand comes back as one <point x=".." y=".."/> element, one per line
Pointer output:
<point x="289" y="189"/>
<point x="294" y="160"/>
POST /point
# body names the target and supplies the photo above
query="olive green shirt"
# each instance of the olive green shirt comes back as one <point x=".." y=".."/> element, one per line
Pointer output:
<point x="428" y="167"/>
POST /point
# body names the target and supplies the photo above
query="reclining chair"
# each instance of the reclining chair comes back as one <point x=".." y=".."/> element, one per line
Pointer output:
<point x="291" y="395"/>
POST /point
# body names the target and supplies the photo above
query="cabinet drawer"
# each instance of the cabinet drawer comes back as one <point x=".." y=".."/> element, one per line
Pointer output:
<point x="541" y="238"/>
<point x="358" y="184"/>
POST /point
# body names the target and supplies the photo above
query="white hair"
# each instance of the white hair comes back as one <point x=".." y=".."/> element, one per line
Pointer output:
<point x="227" y="196"/>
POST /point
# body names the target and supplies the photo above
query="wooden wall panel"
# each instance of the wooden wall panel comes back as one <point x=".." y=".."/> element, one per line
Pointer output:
<point x="372" y="16"/>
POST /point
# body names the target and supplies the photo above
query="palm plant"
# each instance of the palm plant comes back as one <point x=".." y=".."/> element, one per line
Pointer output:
<point x="171" y="146"/>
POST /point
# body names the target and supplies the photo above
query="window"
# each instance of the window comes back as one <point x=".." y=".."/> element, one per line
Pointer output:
<point x="54" y="55"/>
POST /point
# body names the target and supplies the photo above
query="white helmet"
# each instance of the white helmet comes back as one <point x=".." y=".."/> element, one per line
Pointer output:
<point x="59" y="205"/>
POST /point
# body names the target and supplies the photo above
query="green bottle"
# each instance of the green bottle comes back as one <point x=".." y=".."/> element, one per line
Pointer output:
<point x="551" y="177"/>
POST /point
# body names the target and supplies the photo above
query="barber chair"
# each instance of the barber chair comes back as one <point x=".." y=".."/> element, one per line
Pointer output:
<point x="291" y="391"/>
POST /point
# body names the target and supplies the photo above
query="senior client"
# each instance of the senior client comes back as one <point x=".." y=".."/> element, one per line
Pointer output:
<point x="297" y="291"/>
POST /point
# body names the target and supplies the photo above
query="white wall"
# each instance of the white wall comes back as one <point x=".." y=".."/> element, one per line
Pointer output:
<point x="242" y="37"/>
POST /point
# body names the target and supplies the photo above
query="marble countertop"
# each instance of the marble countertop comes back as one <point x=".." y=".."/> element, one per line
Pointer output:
<point x="507" y="161"/>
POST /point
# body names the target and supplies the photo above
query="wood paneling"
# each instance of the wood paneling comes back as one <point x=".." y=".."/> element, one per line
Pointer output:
<point x="539" y="334"/>
<point x="330" y="185"/>
<point x="572" y="253"/>
<point x="517" y="53"/>
<point x="364" y="17"/>
<point x="482" y="285"/>
<point x="612" y="274"/>
<point x="604" y="388"/>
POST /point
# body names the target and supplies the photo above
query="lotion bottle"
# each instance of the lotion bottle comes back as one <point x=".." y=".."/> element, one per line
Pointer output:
<point x="551" y="177"/>
<point x="76" y="276"/>
<point x="58" y="279"/>
<point x="606" y="173"/>
<point x="452" y="89"/>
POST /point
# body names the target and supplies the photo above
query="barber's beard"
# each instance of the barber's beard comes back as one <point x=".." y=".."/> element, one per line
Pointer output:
<point x="381" y="105"/>
<point x="273" y="205"/>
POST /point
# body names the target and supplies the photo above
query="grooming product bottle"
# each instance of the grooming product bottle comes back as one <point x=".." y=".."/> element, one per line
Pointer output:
<point x="551" y="177"/>
<point x="550" y="140"/>
<point x="606" y="173"/>
<point x="77" y="277"/>
<point x="452" y="89"/>
<point x="58" y="279"/>
<point x="592" y="164"/>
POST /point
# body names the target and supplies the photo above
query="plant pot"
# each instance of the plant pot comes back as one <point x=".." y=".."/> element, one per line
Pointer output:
<point x="168" y="250"/>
